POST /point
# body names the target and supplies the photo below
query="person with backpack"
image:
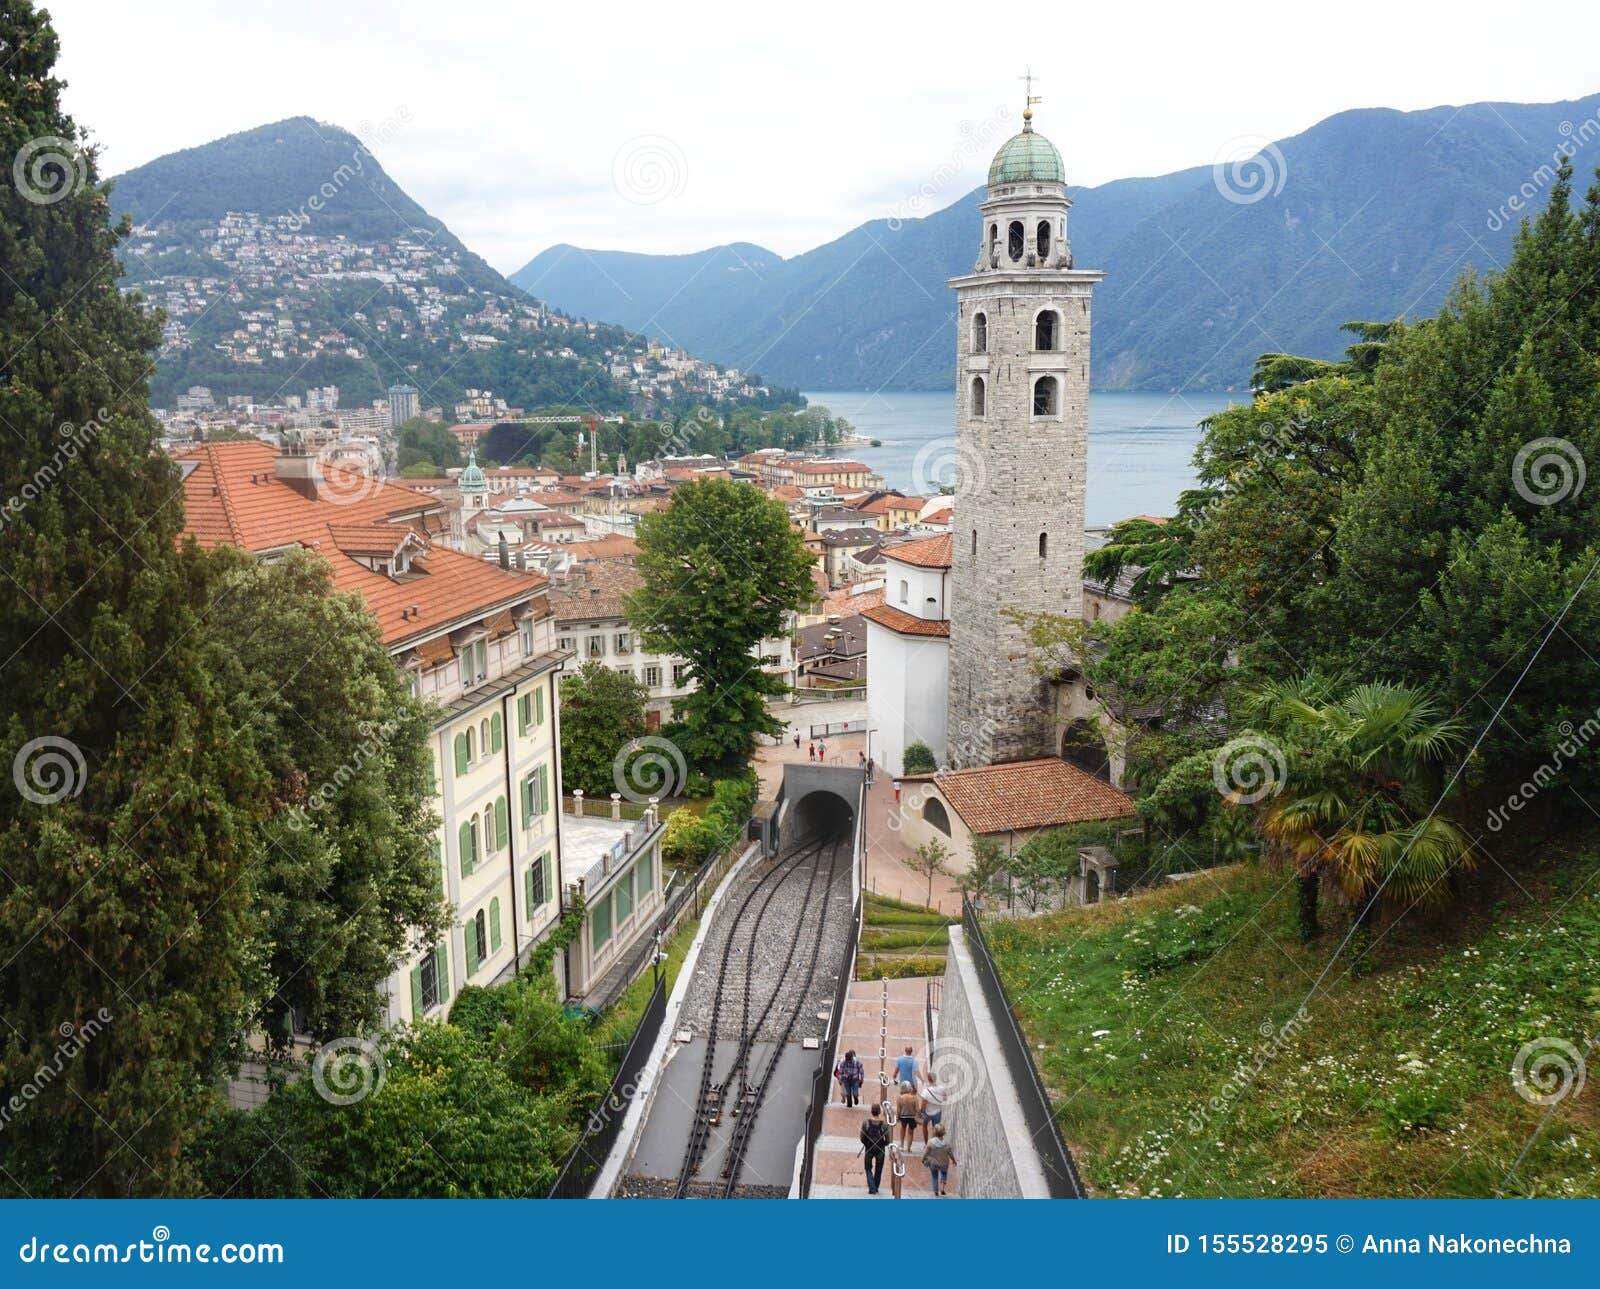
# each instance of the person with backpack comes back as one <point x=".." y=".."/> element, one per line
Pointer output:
<point x="850" y="1073"/>
<point x="874" y="1141"/>
<point x="937" y="1158"/>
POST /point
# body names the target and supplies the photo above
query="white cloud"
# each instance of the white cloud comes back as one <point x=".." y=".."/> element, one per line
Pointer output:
<point x="794" y="123"/>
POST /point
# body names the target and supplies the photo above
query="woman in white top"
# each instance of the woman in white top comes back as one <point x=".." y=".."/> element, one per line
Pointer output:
<point x="933" y="1098"/>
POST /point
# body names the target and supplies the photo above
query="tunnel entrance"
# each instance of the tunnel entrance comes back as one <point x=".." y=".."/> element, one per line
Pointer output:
<point x="822" y="813"/>
<point x="818" y="801"/>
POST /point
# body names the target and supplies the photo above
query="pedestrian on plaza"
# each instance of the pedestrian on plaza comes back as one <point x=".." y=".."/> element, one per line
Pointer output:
<point x="897" y="792"/>
<point x="797" y="740"/>
<point x="937" y="1158"/>
<point x="897" y="1169"/>
<point x="934" y="1095"/>
<point x="822" y="750"/>
<point x="811" y="751"/>
<point x="861" y="761"/>
<point x="850" y="1072"/>
<point x="869" y="771"/>
<point x="875" y="1135"/>
<point x="905" y="1116"/>
<point x="905" y="1068"/>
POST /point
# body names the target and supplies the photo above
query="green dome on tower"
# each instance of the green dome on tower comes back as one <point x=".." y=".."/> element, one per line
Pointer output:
<point x="472" y="479"/>
<point x="1027" y="158"/>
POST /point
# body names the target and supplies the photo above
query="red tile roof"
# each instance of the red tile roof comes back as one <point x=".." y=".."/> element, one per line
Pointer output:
<point x="233" y="497"/>
<point x="904" y="623"/>
<point x="1022" y="795"/>
<point x="925" y="552"/>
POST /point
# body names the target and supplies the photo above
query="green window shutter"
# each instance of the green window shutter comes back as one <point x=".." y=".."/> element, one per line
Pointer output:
<point x="461" y="754"/>
<point x="473" y="956"/>
<point x="438" y="866"/>
<point x="497" y="732"/>
<point x="494" y="925"/>
<point x="416" y="993"/>
<point x="528" y="902"/>
<point x="502" y="823"/>
<point x="469" y="851"/>
<point x="523" y="712"/>
<point x="544" y="790"/>
<point x="441" y="958"/>
<point x="525" y="791"/>
<point x="549" y="874"/>
<point x="538" y="706"/>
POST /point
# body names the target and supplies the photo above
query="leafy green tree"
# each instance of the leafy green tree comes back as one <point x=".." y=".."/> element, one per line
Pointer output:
<point x="723" y="571"/>
<point x="348" y="876"/>
<point x="601" y="712"/>
<point x="1162" y="550"/>
<point x="422" y="441"/>
<point x="128" y="837"/>
<point x="441" y="1117"/>
<point x="918" y="759"/>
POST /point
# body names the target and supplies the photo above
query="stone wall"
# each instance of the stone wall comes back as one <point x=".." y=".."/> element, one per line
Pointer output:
<point x="995" y="1156"/>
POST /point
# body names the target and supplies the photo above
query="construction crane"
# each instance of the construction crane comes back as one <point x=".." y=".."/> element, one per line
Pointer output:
<point x="588" y="420"/>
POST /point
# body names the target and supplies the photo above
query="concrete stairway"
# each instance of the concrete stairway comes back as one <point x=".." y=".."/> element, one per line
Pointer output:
<point x="879" y="1017"/>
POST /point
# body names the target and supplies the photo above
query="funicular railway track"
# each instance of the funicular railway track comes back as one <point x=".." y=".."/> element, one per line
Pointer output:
<point x="713" y="1093"/>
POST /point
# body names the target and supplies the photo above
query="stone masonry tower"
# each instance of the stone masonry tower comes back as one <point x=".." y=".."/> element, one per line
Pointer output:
<point x="1022" y="426"/>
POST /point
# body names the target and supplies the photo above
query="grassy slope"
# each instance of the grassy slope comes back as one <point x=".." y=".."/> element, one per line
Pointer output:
<point x="1194" y="1092"/>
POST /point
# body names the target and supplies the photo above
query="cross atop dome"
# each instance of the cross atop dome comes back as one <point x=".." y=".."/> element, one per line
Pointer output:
<point x="1029" y="98"/>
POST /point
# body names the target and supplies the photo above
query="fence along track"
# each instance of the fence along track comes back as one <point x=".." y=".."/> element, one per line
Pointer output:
<point x="708" y="1106"/>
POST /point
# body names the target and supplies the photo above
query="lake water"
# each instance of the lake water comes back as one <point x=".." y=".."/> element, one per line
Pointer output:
<point x="1140" y="445"/>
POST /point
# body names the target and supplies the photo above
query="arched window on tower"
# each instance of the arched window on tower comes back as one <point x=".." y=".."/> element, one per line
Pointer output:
<point x="933" y="812"/>
<point x="994" y="239"/>
<point x="977" y="396"/>
<point x="1042" y="238"/>
<point x="974" y="543"/>
<point x="1044" y="544"/>
<point x="1016" y="238"/>
<point x="1045" y="396"/>
<point x="980" y="333"/>
<point x="1045" y="329"/>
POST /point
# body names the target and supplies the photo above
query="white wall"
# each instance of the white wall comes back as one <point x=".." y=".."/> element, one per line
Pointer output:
<point x="906" y="694"/>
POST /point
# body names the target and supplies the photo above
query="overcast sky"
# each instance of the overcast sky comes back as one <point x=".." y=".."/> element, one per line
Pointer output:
<point x="672" y="127"/>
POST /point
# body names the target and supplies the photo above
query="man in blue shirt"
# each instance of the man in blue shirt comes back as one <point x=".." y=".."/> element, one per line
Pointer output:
<point x="905" y="1068"/>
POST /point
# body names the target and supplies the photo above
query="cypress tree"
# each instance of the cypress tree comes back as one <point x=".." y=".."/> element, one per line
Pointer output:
<point x="126" y="835"/>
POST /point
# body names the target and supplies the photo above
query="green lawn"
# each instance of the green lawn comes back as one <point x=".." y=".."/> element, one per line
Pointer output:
<point x="1201" y="1081"/>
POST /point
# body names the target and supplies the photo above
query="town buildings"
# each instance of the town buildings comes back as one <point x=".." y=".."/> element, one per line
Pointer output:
<point x="477" y="642"/>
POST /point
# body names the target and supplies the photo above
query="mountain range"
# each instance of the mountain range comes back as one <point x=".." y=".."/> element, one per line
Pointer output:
<point x="1369" y="214"/>
<point x="285" y="258"/>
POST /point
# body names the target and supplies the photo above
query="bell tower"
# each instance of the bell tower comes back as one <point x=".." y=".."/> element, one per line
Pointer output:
<point x="1022" y="427"/>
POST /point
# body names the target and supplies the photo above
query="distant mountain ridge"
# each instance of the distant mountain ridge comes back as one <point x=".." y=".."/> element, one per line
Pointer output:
<point x="1369" y="214"/>
<point x="286" y="258"/>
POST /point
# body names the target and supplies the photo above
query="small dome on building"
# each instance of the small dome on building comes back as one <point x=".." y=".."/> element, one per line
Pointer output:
<point x="1027" y="158"/>
<point x="472" y="478"/>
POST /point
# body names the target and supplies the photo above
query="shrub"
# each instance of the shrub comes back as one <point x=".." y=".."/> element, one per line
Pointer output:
<point x="686" y="841"/>
<point x="870" y="968"/>
<point x="919" y="759"/>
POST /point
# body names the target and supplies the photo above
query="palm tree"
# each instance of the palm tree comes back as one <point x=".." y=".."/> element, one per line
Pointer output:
<point x="1353" y="803"/>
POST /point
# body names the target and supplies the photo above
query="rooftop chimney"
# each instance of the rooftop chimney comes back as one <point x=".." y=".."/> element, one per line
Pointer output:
<point x="505" y="552"/>
<point x="298" y="466"/>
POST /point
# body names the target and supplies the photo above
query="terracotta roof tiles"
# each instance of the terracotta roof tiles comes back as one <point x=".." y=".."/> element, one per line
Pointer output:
<point x="1022" y="795"/>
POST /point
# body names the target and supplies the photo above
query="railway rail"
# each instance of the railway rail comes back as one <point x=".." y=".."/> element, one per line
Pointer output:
<point x="713" y="1092"/>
